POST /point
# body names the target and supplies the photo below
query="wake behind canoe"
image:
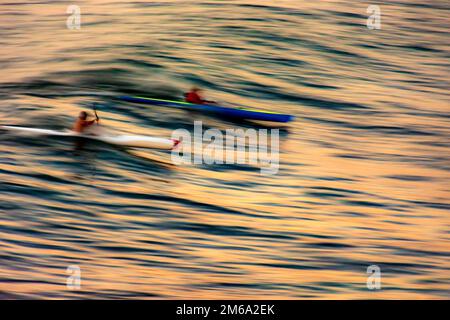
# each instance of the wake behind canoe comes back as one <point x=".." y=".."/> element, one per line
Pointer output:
<point x="240" y="113"/>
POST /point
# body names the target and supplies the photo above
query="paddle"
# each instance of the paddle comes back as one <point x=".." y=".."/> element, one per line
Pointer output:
<point x="94" y="108"/>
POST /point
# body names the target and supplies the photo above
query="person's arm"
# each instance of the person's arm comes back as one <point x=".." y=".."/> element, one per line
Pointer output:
<point x="89" y="123"/>
<point x="206" y="101"/>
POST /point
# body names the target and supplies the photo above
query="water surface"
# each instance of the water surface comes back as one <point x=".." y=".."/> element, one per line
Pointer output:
<point x="364" y="169"/>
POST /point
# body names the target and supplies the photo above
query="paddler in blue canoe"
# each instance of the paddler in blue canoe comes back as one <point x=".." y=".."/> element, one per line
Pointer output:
<point x="195" y="96"/>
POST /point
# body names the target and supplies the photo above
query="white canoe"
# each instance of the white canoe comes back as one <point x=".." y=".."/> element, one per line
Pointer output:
<point x="133" y="141"/>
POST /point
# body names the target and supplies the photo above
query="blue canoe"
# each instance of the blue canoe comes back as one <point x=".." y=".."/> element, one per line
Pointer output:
<point x="240" y="113"/>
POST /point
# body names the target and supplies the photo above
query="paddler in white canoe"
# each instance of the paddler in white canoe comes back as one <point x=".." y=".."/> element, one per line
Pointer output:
<point x="83" y="129"/>
<point x="82" y="123"/>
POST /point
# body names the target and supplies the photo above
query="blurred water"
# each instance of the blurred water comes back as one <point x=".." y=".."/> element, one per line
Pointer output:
<point x="364" y="169"/>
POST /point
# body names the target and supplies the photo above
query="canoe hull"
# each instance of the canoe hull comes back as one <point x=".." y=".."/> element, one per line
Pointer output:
<point x="247" y="114"/>
<point x="132" y="141"/>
